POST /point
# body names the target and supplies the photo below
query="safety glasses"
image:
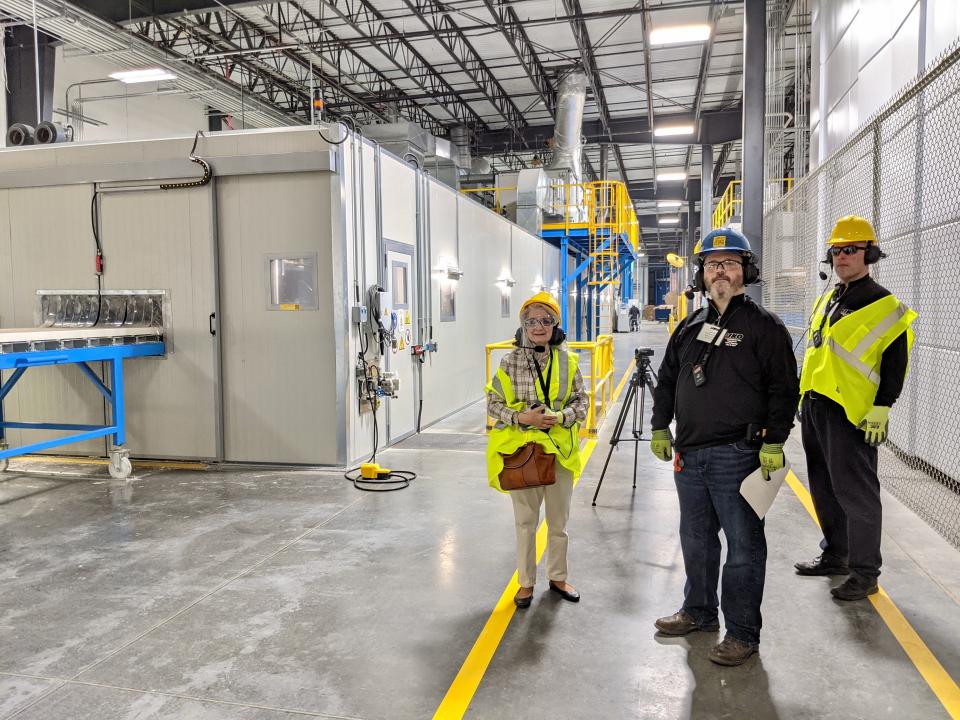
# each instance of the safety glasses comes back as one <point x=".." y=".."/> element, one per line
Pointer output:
<point x="547" y="322"/>
<point x="847" y="250"/>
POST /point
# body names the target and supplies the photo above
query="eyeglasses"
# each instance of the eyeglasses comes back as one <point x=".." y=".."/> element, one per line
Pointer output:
<point x="715" y="265"/>
<point x="547" y="322"/>
<point x="846" y="250"/>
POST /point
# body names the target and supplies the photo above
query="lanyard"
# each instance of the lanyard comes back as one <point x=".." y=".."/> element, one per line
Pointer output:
<point x="545" y="386"/>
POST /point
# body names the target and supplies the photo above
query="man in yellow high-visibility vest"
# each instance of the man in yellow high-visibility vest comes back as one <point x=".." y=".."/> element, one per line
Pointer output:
<point x="855" y="364"/>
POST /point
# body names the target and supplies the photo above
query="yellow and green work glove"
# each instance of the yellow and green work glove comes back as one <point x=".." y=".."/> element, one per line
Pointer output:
<point x="661" y="444"/>
<point x="771" y="458"/>
<point x="874" y="425"/>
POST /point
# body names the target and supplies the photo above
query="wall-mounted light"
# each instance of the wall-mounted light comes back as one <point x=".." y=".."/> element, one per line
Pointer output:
<point x="671" y="177"/>
<point x="143" y="75"/>
<point x="447" y="269"/>
<point x="671" y="130"/>
<point x="505" y="282"/>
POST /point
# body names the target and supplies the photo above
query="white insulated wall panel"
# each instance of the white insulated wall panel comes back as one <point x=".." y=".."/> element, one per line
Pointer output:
<point x="399" y="200"/>
<point x="360" y="435"/>
<point x="164" y="240"/>
<point x="941" y="163"/>
<point x="52" y="248"/>
<point x="943" y="27"/>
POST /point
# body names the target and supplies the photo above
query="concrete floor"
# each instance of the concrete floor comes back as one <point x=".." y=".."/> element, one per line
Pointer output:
<point x="284" y="594"/>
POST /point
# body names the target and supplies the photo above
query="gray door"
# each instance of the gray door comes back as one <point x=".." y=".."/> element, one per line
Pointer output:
<point x="279" y="376"/>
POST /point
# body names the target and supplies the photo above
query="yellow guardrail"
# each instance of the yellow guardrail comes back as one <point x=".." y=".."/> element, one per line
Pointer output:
<point x="578" y="205"/>
<point x="497" y="205"/>
<point x="598" y="382"/>
<point x="731" y="202"/>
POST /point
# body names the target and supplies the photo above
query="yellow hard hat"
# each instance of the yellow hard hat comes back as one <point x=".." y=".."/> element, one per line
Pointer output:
<point x="544" y="298"/>
<point x="850" y="229"/>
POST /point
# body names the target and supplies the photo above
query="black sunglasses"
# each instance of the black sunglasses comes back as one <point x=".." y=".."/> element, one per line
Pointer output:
<point x="846" y="250"/>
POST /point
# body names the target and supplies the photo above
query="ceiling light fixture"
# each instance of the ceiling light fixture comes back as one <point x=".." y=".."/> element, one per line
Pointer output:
<point x="670" y="130"/>
<point x="669" y="203"/>
<point x="675" y="34"/>
<point x="143" y="75"/>
<point x="671" y="177"/>
<point x="669" y="220"/>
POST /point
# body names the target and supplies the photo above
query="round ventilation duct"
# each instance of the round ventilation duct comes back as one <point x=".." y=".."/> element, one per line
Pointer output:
<point x="20" y="134"/>
<point x="48" y="132"/>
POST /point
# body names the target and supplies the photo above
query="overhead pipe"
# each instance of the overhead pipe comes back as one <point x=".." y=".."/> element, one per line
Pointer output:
<point x="568" y="132"/>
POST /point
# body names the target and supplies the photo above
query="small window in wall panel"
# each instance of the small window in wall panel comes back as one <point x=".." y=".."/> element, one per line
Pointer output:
<point x="399" y="273"/>
<point x="292" y="282"/>
<point x="448" y="300"/>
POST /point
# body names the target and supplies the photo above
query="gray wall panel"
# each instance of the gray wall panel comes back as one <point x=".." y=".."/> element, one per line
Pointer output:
<point x="163" y="240"/>
<point x="52" y="247"/>
<point x="279" y="367"/>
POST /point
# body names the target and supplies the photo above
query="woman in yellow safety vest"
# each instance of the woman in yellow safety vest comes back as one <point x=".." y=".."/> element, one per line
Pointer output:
<point x="537" y="395"/>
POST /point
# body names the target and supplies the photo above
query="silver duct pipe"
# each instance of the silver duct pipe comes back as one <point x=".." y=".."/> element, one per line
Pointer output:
<point x="460" y="137"/>
<point x="568" y="133"/>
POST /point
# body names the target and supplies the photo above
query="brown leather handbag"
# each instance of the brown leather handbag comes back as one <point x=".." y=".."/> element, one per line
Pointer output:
<point x="530" y="466"/>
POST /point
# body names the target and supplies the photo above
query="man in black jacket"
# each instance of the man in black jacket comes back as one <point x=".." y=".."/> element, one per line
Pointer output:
<point x="729" y="377"/>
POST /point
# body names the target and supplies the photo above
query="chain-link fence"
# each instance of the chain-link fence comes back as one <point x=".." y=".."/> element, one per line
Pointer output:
<point x="902" y="172"/>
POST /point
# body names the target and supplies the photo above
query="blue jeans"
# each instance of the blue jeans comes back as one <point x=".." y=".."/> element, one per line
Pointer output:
<point x="708" y="485"/>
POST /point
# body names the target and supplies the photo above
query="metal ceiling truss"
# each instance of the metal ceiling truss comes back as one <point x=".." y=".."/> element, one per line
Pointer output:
<point x="231" y="47"/>
<point x="363" y="18"/>
<point x="332" y="50"/>
<point x="512" y="28"/>
<point x="579" y="27"/>
<point x="448" y="35"/>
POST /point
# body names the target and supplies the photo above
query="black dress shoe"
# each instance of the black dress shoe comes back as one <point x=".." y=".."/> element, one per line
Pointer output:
<point x="855" y="587"/>
<point x="822" y="565"/>
<point x="571" y="595"/>
<point x="680" y="623"/>
<point x="522" y="602"/>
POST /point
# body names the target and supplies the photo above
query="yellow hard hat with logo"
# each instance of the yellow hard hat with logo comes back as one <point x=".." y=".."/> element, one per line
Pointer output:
<point x="544" y="298"/>
<point x="851" y="229"/>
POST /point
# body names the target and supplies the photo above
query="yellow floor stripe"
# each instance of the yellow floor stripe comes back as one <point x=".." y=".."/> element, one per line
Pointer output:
<point x="943" y="686"/>
<point x="455" y="703"/>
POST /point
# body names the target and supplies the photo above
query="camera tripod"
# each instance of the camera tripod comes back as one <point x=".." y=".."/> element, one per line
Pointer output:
<point x="642" y="379"/>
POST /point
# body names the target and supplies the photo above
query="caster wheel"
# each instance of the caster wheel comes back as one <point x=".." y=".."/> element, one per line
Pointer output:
<point x="120" y="470"/>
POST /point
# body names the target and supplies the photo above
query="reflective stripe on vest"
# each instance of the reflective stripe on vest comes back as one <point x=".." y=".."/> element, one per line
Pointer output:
<point x="846" y="366"/>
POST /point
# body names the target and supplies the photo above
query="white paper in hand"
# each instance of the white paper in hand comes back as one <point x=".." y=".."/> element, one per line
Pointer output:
<point x="760" y="493"/>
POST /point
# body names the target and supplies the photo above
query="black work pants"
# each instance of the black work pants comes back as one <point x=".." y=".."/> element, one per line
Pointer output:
<point x="843" y="482"/>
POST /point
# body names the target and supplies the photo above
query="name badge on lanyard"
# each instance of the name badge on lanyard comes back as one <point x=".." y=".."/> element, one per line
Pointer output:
<point x="711" y="334"/>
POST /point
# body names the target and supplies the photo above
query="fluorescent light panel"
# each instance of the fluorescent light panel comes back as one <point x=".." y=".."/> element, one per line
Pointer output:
<point x="675" y="34"/>
<point x="670" y="130"/>
<point x="669" y="203"/>
<point x="671" y="177"/>
<point x="669" y="220"/>
<point x="143" y="75"/>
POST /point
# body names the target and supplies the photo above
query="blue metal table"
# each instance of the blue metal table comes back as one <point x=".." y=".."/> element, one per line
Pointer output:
<point x="114" y="354"/>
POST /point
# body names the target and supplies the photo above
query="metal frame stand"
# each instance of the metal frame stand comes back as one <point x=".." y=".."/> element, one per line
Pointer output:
<point x="19" y="362"/>
<point x="643" y="378"/>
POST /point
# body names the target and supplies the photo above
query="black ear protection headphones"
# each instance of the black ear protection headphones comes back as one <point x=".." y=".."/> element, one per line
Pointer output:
<point x="751" y="273"/>
<point x="873" y="254"/>
<point x="556" y="338"/>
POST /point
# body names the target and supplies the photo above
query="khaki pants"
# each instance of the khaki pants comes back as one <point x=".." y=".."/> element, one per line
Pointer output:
<point x="526" y="511"/>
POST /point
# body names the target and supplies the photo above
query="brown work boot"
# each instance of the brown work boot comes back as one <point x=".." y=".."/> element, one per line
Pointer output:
<point x="732" y="651"/>
<point x="681" y="623"/>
